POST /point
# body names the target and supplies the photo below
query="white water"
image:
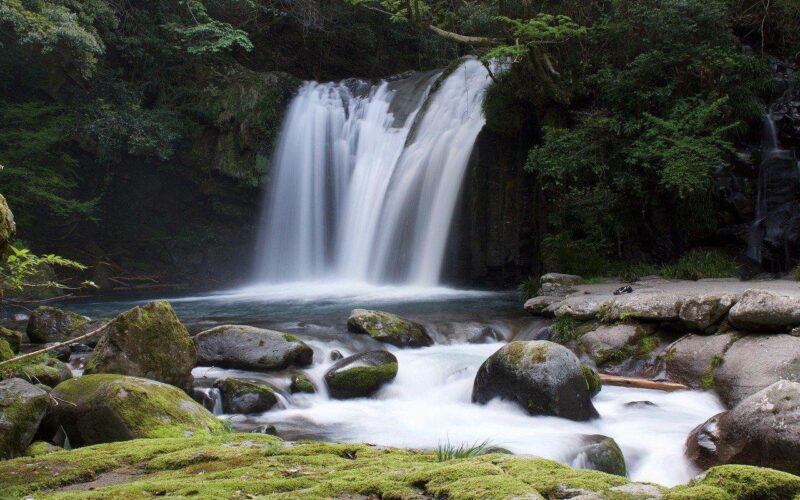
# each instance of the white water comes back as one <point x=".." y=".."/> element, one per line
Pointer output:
<point x="366" y="179"/>
<point x="429" y="403"/>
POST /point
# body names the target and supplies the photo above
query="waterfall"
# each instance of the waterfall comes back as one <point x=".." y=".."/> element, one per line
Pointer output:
<point x="366" y="178"/>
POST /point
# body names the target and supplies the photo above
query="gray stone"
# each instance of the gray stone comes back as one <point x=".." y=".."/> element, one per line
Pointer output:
<point x="763" y="430"/>
<point x="245" y="397"/>
<point x="542" y="377"/>
<point x="755" y="362"/>
<point x="540" y="306"/>
<point x="693" y="359"/>
<point x="51" y="324"/>
<point x="699" y="312"/>
<point x="561" y="279"/>
<point x="646" y="306"/>
<point x="581" y="307"/>
<point x="22" y="407"/>
<point x="639" y="491"/>
<point x="388" y="328"/>
<point x="250" y="348"/>
<point x="761" y="310"/>
<point x="602" y="343"/>
<point x="361" y="375"/>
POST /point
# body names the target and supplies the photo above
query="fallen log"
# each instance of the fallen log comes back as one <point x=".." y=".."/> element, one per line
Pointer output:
<point x="53" y="347"/>
<point x="641" y="383"/>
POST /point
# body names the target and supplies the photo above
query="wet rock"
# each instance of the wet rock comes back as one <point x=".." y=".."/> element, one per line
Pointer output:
<point x="301" y="383"/>
<point x="270" y="430"/>
<point x="22" y="407"/>
<point x="245" y="397"/>
<point x="486" y="335"/>
<point x="755" y="362"/>
<point x="592" y="380"/>
<point x="663" y="307"/>
<point x="604" y="342"/>
<point x="761" y="310"/>
<point x="8" y="229"/>
<point x="763" y="429"/>
<point x="693" y="359"/>
<point x="250" y="348"/>
<point x="640" y="404"/>
<point x="51" y="324"/>
<point x="699" y="312"/>
<point x="361" y="375"/>
<point x="12" y="337"/>
<point x="148" y="342"/>
<point x="597" y="452"/>
<point x="541" y="306"/>
<point x="542" y="377"/>
<point x="388" y="328"/>
<point x="105" y="408"/>
<point x="335" y="355"/>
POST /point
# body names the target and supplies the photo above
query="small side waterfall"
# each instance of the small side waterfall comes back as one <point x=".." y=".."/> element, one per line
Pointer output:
<point x="366" y="178"/>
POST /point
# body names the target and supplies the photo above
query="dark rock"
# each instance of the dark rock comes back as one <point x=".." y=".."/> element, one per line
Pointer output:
<point x="51" y="324"/>
<point x="265" y="429"/>
<point x="600" y="453"/>
<point x="148" y="342"/>
<point x="22" y="407"/>
<point x="361" y="375"/>
<point x="542" y="377"/>
<point x="388" y="328"/>
<point x="335" y="355"/>
<point x="487" y="335"/>
<point x="249" y="348"/>
<point x="246" y="397"/>
<point x="592" y="379"/>
<point x="640" y="404"/>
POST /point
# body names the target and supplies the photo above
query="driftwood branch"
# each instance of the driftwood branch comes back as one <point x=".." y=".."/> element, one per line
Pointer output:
<point x="641" y="383"/>
<point x="53" y="347"/>
<point x="459" y="38"/>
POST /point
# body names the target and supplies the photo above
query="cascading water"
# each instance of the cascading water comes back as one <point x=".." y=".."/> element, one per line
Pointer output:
<point x="366" y="178"/>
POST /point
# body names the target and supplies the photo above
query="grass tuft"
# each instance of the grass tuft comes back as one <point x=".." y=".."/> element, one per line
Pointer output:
<point x="450" y="451"/>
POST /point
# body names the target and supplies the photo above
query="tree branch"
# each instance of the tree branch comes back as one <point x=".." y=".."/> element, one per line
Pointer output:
<point x="56" y="346"/>
<point x="469" y="40"/>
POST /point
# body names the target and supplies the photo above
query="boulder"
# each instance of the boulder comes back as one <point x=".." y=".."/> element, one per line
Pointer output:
<point x="361" y="375"/>
<point x="48" y="372"/>
<point x="106" y="407"/>
<point x="664" y="307"/>
<point x="582" y="307"/>
<point x="592" y="379"/>
<point x="600" y="453"/>
<point x="13" y="338"/>
<point x="148" y="342"/>
<point x="243" y="396"/>
<point x="250" y="348"/>
<point x="8" y="229"/>
<point x="763" y="429"/>
<point x="760" y="310"/>
<point x="542" y="377"/>
<point x="699" y="312"/>
<point x="486" y="335"/>
<point x="22" y="407"/>
<point x="541" y="305"/>
<point x="755" y="362"/>
<point x="604" y="342"/>
<point x="301" y="383"/>
<point x="51" y="324"/>
<point x="693" y="359"/>
<point x="388" y="328"/>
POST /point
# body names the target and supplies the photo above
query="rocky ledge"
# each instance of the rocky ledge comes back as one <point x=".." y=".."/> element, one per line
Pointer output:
<point x="258" y="466"/>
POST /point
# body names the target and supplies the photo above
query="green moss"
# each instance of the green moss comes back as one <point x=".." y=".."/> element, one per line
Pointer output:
<point x="290" y="338"/>
<point x="13" y="338"/>
<point x="388" y="328"/>
<point x="20" y="417"/>
<point x="48" y="324"/>
<point x="363" y="379"/>
<point x="564" y="329"/>
<point x="301" y="383"/>
<point x="40" y="448"/>
<point x="697" y="492"/>
<point x="233" y="388"/>
<point x="745" y="482"/>
<point x="708" y="377"/>
<point x="5" y="351"/>
<point x="592" y="379"/>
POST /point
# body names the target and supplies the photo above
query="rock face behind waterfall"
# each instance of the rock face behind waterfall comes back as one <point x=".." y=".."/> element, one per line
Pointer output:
<point x="388" y="328"/>
<point x="250" y="348"/>
<point x="542" y="377"/>
<point x="764" y="430"/>
<point x="104" y="408"/>
<point x="361" y="375"/>
<point x="148" y="342"/>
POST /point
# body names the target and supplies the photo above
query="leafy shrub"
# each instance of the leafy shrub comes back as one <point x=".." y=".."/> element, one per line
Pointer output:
<point x="529" y="288"/>
<point x="699" y="264"/>
<point x="795" y="273"/>
<point x="564" y="329"/>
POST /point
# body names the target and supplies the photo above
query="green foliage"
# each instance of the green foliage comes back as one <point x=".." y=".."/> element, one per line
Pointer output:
<point x="529" y="288"/>
<point x="206" y="35"/>
<point x="700" y="264"/>
<point x="795" y="273"/>
<point x="449" y="451"/>
<point x="22" y="265"/>
<point x="529" y="34"/>
<point x="564" y="329"/>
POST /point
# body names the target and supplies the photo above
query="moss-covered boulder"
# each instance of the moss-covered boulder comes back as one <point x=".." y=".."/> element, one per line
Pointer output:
<point x="301" y="383"/>
<point x="51" y="324"/>
<point x="105" y="407"/>
<point x="5" y="351"/>
<point x="250" y="348"/>
<point x="49" y="372"/>
<point x="592" y="379"/>
<point x="22" y="407"/>
<point x="13" y="337"/>
<point x="7" y="226"/>
<point x="743" y="482"/>
<point x="246" y="397"/>
<point x="149" y="342"/>
<point x="763" y="429"/>
<point x="361" y="375"/>
<point x="388" y="328"/>
<point x="544" y="378"/>
<point x="602" y="453"/>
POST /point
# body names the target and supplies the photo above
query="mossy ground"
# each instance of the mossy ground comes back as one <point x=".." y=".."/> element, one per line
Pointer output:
<point x="256" y="465"/>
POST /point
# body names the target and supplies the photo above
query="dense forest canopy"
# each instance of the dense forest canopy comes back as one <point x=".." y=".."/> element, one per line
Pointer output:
<point x="113" y="113"/>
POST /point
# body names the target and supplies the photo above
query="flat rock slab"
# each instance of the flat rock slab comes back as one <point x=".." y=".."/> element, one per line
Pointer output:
<point x="765" y="310"/>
